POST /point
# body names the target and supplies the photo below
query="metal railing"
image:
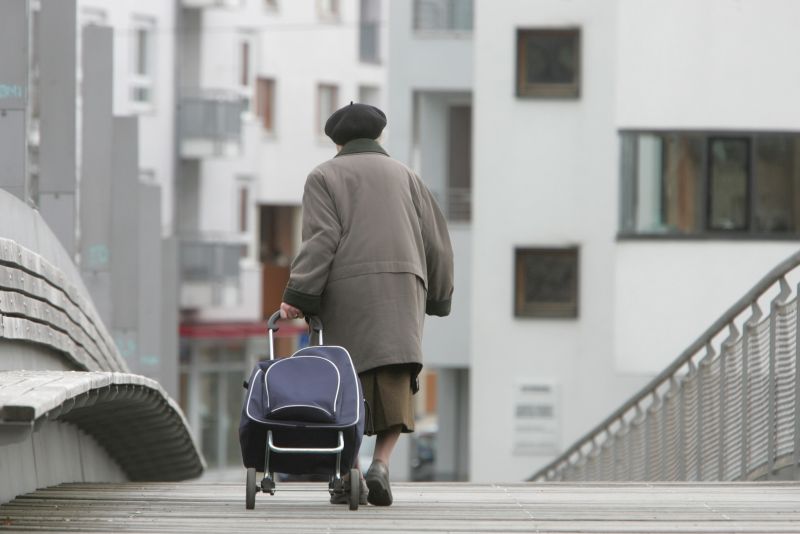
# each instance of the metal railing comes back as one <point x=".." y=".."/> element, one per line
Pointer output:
<point x="459" y="204"/>
<point x="726" y="409"/>
<point x="443" y="15"/>
<point x="208" y="269"/>
<point x="212" y="116"/>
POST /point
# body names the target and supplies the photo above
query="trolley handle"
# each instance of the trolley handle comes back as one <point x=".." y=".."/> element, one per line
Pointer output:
<point x="314" y="323"/>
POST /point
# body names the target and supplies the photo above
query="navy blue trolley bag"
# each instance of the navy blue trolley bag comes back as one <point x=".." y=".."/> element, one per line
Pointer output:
<point x="303" y="415"/>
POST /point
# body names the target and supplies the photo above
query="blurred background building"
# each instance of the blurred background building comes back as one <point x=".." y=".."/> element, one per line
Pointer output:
<point x="614" y="175"/>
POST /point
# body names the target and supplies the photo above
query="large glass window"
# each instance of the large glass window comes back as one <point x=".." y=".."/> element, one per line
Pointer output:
<point x="777" y="199"/>
<point x="695" y="183"/>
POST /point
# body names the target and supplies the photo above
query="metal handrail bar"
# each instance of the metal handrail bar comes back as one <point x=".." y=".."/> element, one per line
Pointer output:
<point x="704" y="339"/>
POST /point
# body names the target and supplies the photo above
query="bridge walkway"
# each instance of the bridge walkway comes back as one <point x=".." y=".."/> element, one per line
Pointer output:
<point x="419" y="507"/>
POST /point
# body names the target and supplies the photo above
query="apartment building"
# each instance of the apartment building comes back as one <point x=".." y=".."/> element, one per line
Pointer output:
<point x="430" y="119"/>
<point x="635" y="172"/>
<point x="256" y="81"/>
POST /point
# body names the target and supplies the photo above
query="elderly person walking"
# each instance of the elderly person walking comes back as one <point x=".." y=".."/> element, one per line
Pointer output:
<point x="376" y="257"/>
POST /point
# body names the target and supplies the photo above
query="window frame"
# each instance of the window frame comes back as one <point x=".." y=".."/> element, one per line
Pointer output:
<point x="628" y="192"/>
<point x="545" y="310"/>
<point x="565" y="91"/>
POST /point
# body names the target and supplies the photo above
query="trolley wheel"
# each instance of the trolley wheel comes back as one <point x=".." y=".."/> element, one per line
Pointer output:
<point x="355" y="488"/>
<point x="250" y="493"/>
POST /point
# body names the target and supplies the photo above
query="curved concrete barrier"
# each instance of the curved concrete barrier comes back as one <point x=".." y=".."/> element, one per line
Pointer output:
<point x="129" y="416"/>
<point x="89" y="420"/>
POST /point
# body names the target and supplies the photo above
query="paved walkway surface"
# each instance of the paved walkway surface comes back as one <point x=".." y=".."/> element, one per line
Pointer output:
<point x="424" y="507"/>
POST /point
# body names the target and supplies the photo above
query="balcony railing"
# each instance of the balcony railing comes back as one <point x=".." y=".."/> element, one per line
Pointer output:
<point x="210" y="273"/>
<point x="443" y="15"/>
<point x="456" y="203"/>
<point x="206" y="4"/>
<point x="726" y="409"/>
<point x="211" y="123"/>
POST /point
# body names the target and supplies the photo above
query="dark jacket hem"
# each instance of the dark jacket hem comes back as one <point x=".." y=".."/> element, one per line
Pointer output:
<point x="440" y="308"/>
<point x="308" y="304"/>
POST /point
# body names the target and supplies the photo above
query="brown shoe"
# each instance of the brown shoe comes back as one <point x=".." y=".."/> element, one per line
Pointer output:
<point x="380" y="492"/>
<point x="344" y="498"/>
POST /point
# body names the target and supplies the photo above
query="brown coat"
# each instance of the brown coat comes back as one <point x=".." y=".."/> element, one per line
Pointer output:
<point x="376" y="256"/>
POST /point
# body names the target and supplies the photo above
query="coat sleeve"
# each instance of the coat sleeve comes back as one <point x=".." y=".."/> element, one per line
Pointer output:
<point x="438" y="253"/>
<point x="321" y="233"/>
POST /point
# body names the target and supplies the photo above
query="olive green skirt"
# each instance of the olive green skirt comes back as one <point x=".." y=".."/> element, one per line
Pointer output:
<point x="390" y="400"/>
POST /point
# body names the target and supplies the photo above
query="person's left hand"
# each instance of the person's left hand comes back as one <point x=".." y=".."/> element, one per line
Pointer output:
<point x="290" y="312"/>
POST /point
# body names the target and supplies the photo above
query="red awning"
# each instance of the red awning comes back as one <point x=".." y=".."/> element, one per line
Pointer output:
<point x="238" y="330"/>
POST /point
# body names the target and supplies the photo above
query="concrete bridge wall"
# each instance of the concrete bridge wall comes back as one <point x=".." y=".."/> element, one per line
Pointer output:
<point x="63" y="382"/>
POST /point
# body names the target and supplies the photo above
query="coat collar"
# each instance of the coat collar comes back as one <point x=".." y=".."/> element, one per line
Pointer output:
<point x="357" y="146"/>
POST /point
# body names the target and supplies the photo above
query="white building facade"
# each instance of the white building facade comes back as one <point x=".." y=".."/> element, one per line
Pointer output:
<point x="632" y="180"/>
<point x="430" y="124"/>
<point x="257" y="80"/>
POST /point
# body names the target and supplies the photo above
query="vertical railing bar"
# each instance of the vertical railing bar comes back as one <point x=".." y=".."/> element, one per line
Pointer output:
<point x="647" y="441"/>
<point x="796" y="455"/>
<point x="772" y="426"/>
<point x="663" y="462"/>
<point x="700" y="429"/>
<point x="682" y="470"/>
<point x="723" y="381"/>
<point x="745" y="376"/>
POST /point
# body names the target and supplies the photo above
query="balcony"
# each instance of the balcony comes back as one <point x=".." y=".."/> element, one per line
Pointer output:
<point x="443" y="16"/>
<point x="208" y="4"/>
<point x="210" y="123"/>
<point x="210" y="274"/>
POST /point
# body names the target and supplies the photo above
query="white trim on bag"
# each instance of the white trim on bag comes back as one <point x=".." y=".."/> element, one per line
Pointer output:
<point x="314" y="425"/>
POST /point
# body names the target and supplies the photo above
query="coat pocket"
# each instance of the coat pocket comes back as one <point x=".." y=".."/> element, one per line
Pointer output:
<point x="302" y="388"/>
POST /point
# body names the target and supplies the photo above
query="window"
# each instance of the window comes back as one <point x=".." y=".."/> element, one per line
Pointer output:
<point x="143" y="61"/>
<point x="728" y="193"/>
<point x="443" y="15"/>
<point x="546" y="282"/>
<point x="369" y="31"/>
<point x="548" y="63"/>
<point x="714" y="184"/>
<point x="265" y="103"/>
<point x="243" y="208"/>
<point x="369" y="94"/>
<point x="328" y="9"/>
<point x="244" y="64"/>
<point x="327" y="103"/>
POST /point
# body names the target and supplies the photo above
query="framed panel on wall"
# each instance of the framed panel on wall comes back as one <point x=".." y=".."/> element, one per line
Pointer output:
<point x="546" y="282"/>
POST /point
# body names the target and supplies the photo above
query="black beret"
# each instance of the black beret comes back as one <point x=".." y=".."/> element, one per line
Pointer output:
<point x="355" y="121"/>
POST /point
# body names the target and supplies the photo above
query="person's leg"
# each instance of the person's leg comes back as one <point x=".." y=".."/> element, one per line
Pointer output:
<point x="380" y="491"/>
<point x="384" y="444"/>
